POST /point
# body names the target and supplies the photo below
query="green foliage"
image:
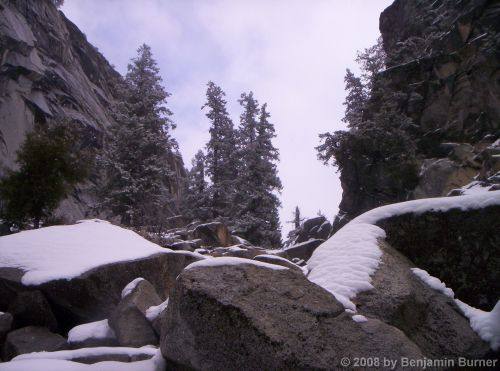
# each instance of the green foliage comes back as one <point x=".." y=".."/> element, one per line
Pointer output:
<point x="50" y="164"/>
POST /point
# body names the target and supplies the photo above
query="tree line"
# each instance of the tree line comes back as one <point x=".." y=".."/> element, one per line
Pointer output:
<point x="234" y="180"/>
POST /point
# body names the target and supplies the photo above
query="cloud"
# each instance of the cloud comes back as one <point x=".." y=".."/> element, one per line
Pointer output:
<point x="292" y="54"/>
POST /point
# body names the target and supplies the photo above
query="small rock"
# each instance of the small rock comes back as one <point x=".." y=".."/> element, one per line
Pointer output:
<point x="32" y="339"/>
<point x="31" y="308"/>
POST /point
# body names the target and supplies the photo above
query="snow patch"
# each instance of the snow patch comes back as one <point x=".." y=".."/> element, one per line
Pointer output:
<point x="216" y="262"/>
<point x="131" y="286"/>
<point x="45" y="361"/>
<point x="433" y="282"/>
<point x="359" y="318"/>
<point x="485" y="324"/>
<point x="153" y="312"/>
<point x="92" y="330"/>
<point x="344" y="263"/>
<point x="65" y="252"/>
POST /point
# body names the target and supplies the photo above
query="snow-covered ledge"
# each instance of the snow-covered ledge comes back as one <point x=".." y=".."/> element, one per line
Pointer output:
<point x="345" y="263"/>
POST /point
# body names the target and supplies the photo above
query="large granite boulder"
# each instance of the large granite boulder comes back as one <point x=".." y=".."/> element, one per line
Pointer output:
<point x="314" y="228"/>
<point x="429" y="318"/>
<point x="213" y="234"/>
<point x="30" y="308"/>
<point x="31" y="339"/>
<point x="301" y="250"/>
<point x="254" y="315"/>
<point x="129" y="321"/>
<point x="5" y="327"/>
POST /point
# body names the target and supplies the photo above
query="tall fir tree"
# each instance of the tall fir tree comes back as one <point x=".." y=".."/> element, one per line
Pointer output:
<point x="135" y="161"/>
<point x="197" y="202"/>
<point x="221" y="160"/>
<point x="257" y="201"/>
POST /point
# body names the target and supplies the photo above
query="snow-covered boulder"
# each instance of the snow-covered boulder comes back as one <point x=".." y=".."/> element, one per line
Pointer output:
<point x="274" y="259"/>
<point x="301" y="250"/>
<point x="31" y="339"/>
<point x="93" y="334"/>
<point x="361" y="268"/>
<point x="230" y="313"/>
<point x="128" y="320"/>
<point x="82" y="268"/>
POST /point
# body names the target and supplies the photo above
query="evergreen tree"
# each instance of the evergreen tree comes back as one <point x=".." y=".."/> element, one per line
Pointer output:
<point x="296" y="221"/>
<point x="51" y="163"/>
<point x="221" y="163"/>
<point x="138" y="177"/>
<point x="197" y="200"/>
<point x="257" y="202"/>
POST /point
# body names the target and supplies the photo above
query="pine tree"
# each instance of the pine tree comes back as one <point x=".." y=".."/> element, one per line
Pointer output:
<point x="197" y="203"/>
<point x="51" y="162"/>
<point x="138" y="177"/>
<point x="257" y="202"/>
<point x="221" y="163"/>
<point x="296" y="221"/>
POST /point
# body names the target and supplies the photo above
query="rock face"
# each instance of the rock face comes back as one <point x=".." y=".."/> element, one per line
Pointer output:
<point x="31" y="339"/>
<point x="250" y="317"/>
<point x="128" y="320"/>
<point x="430" y="319"/>
<point x="94" y="295"/>
<point x="5" y="327"/>
<point x="49" y="69"/>
<point x="30" y="308"/>
<point x="302" y="250"/>
<point x="442" y="61"/>
<point x="461" y="248"/>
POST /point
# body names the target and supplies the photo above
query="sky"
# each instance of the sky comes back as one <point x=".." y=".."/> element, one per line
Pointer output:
<point x="291" y="54"/>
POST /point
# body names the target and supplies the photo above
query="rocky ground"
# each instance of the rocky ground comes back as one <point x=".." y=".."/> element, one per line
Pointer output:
<point x="308" y="306"/>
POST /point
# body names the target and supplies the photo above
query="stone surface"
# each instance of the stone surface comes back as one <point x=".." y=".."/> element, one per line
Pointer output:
<point x="302" y="250"/>
<point x="249" y="317"/>
<point x="31" y="339"/>
<point x="5" y="327"/>
<point x="93" y="295"/>
<point x="213" y="234"/>
<point x="30" y="308"/>
<point x="430" y="319"/>
<point x="128" y="320"/>
<point x="461" y="248"/>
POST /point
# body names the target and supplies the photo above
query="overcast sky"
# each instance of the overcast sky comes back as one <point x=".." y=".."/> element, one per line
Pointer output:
<point x="291" y="54"/>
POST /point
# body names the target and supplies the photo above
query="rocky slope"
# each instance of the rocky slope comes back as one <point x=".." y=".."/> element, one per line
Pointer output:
<point x="49" y="69"/>
<point x="443" y="60"/>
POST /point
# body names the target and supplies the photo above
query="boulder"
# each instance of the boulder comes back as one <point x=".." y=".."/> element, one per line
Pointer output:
<point x="273" y="259"/>
<point x="5" y="326"/>
<point x="238" y="251"/>
<point x="129" y="321"/>
<point x="309" y="229"/>
<point x="93" y="334"/>
<point x="30" y="308"/>
<point x="429" y="318"/>
<point x="31" y="339"/>
<point x="247" y="317"/>
<point x="213" y="234"/>
<point x="94" y="294"/>
<point x="302" y="250"/>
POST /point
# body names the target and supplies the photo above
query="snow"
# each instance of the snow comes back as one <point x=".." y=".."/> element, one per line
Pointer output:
<point x="344" y="263"/>
<point x="475" y="187"/>
<point x="279" y="258"/>
<point x="131" y="286"/>
<point x="475" y="201"/>
<point x="153" y="312"/>
<point x="156" y="363"/>
<point x="216" y="262"/>
<point x="433" y="282"/>
<point x="485" y="324"/>
<point x="85" y="352"/>
<point x="65" y="252"/>
<point x="92" y="330"/>
<point x="359" y="318"/>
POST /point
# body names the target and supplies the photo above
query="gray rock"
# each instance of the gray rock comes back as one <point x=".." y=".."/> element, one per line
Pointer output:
<point x="105" y="337"/>
<point x="30" y="308"/>
<point x="248" y="317"/>
<point x="5" y="326"/>
<point x="128" y="320"/>
<point x="430" y="319"/>
<point x="31" y="339"/>
<point x="302" y="250"/>
<point x="213" y="234"/>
